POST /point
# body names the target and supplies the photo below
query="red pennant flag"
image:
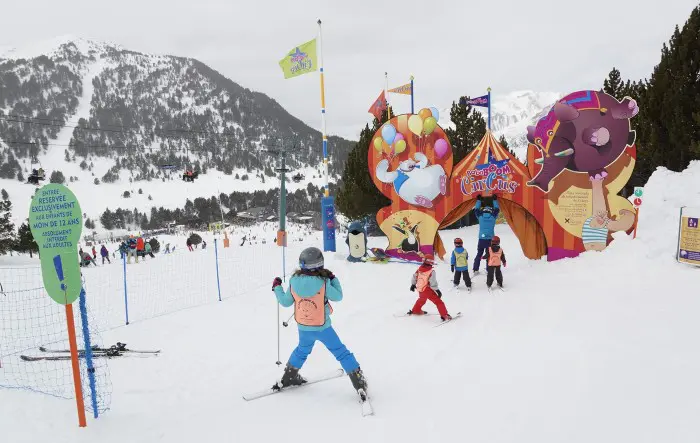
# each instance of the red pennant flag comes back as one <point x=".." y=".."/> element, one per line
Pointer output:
<point x="379" y="106"/>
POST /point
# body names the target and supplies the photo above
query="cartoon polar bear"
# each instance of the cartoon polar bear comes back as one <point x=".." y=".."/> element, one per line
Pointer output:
<point x="415" y="181"/>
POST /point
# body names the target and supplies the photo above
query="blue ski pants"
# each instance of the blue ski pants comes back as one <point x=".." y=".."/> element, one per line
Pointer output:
<point x="331" y="341"/>
<point x="484" y="243"/>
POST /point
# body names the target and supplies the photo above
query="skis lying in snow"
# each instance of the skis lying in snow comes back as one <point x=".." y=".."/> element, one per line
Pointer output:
<point x="454" y="317"/>
<point x="270" y="391"/>
<point x="82" y="355"/>
<point x="119" y="347"/>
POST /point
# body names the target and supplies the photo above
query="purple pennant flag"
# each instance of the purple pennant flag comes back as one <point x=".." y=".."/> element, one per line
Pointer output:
<point x="482" y="101"/>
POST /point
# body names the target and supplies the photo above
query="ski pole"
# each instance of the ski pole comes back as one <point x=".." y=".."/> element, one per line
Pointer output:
<point x="286" y="323"/>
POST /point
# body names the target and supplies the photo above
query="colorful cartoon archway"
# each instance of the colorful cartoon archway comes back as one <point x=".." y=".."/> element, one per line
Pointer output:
<point x="560" y="205"/>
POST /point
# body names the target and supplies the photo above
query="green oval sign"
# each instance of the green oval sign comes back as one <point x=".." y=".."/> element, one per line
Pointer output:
<point x="55" y="220"/>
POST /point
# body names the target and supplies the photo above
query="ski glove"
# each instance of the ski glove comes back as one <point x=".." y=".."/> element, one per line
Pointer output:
<point x="504" y="264"/>
<point x="495" y="197"/>
<point x="276" y="282"/>
<point x="452" y="268"/>
<point x="331" y="277"/>
<point x="439" y="293"/>
<point x="413" y="288"/>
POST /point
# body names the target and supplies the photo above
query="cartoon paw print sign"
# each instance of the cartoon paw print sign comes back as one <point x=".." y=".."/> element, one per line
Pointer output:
<point x="410" y="162"/>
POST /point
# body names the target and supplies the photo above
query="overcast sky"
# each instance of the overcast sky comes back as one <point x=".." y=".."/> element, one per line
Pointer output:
<point x="452" y="48"/>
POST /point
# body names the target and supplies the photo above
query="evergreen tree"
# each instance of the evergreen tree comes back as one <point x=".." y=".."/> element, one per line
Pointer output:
<point x="57" y="177"/>
<point x="5" y="195"/>
<point x="20" y="176"/>
<point x="7" y="228"/>
<point x="358" y="197"/>
<point x="25" y="240"/>
<point x="668" y="125"/>
<point x="613" y="85"/>
<point x="470" y="128"/>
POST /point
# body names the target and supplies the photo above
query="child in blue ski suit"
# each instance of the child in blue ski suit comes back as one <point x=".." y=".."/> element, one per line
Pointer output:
<point x="310" y="289"/>
<point x="459" y="264"/>
<point x="487" y="220"/>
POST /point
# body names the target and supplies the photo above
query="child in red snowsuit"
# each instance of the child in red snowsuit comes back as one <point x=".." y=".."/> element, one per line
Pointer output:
<point x="424" y="280"/>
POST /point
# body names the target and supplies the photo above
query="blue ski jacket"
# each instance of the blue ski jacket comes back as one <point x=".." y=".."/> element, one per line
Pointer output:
<point x="307" y="286"/>
<point x="486" y="221"/>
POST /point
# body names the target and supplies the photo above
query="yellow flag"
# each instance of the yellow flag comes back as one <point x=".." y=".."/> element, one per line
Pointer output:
<point x="300" y="60"/>
<point x="403" y="89"/>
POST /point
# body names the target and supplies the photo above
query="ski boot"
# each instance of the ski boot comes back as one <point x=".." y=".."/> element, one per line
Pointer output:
<point x="359" y="383"/>
<point x="447" y="317"/>
<point x="290" y="377"/>
<point x="469" y="289"/>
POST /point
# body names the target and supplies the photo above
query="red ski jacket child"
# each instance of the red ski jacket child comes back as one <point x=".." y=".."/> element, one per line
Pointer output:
<point x="425" y="282"/>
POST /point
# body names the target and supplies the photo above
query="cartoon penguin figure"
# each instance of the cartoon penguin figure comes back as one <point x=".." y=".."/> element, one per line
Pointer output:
<point x="414" y="180"/>
<point x="356" y="241"/>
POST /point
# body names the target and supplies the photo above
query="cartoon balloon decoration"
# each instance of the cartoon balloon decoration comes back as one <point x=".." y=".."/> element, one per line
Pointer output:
<point x="389" y="133"/>
<point x="441" y="148"/>
<point x="388" y="149"/>
<point x="436" y="114"/>
<point x="378" y="144"/>
<point x="425" y="113"/>
<point x="399" y="136"/>
<point x="400" y="146"/>
<point x="429" y="125"/>
<point x="415" y="124"/>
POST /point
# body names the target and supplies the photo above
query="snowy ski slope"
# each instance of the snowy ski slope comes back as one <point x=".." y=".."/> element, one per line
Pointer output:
<point x="601" y="348"/>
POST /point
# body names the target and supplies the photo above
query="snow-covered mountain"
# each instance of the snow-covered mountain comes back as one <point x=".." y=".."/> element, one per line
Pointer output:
<point x="511" y="114"/>
<point x="110" y="119"/>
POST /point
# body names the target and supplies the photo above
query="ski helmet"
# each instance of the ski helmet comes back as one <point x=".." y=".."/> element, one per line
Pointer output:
<point x="458" y="242"/>
<point x="496" y="240"/>
<point x="310" y="259"/>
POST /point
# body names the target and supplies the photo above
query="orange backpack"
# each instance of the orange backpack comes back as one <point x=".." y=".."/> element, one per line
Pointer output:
<point x="423" y="279"/>
<point x="495" y="257"/>
<point x="311" y="311"/>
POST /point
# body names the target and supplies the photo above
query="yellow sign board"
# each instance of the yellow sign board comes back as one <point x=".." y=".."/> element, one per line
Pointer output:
<point x="689" y="241"/>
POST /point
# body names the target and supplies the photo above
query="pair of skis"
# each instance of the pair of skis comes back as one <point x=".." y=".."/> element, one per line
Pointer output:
<point x="363" y="398"/>
<point x="117" y="350"/>
<point x="454" y="317"/>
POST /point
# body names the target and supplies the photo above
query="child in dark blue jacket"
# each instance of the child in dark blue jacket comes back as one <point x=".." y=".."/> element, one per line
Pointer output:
<point x="459" y="264"/>
<point x="487" y="221"/>
<point x="310" y="289"/>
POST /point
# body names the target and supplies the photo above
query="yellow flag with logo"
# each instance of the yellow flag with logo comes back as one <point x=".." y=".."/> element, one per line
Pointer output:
<point x="403" y="89"/>
<point x="300" y="60"/>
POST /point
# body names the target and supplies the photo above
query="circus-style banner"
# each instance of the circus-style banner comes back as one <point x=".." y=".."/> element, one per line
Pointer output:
<point x="564" y="202"/>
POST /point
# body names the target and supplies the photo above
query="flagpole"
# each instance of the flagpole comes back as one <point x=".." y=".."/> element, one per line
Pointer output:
<point x="326" y="191"/>
<point x="327" y="202"/>
<point x="489" y="99"/>
<point x="386" y="94"/>
<point x="412" y="95"/>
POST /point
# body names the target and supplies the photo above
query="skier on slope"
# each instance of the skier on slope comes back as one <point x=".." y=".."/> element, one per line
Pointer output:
<point x="495" y="257"/>
<point x="487" y="221"/>
<point x="105" y="254"/>
<point x="425" y="281"/>
<point x="459" y="264"/>
<point x="310" y="289"/>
